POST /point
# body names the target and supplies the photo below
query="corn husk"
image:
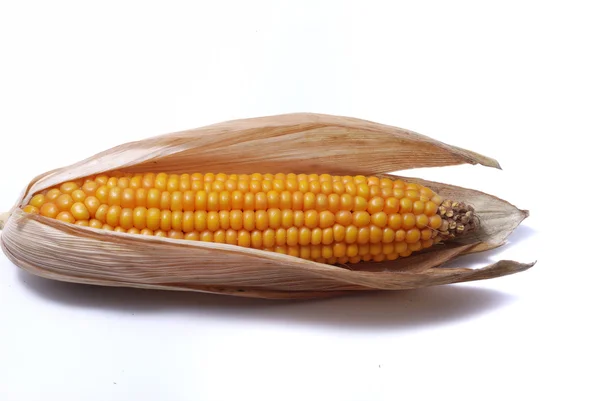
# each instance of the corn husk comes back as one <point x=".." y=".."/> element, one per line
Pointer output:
<point x="294" y="143"/>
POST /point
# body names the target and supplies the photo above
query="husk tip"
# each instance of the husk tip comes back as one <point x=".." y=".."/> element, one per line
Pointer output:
<point x="491" y="162"/>
<point x="525" y="266"/>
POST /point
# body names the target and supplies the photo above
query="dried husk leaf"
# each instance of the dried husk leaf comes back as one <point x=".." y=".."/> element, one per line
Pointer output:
<point x="309" y="143"/>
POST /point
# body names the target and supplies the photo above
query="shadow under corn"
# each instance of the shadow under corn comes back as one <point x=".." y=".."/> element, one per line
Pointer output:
<point x="400" y="309"/>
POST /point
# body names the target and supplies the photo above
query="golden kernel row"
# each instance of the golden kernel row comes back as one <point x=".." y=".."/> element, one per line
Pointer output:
<point x="226" y="200"/>
<point x="142" y="217"/>
<point x="269" y="240"/>
<point x="367" y="187"/>
<point x="184" y="181"/>
<point x="213" y="222"/>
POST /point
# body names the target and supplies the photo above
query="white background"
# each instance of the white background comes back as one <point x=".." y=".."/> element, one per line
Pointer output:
<point x="515" y="80"/>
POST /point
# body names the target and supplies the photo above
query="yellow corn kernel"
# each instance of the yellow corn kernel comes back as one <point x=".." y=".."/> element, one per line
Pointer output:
<point x="68" y="187"/>
<point x="375" y="234"/>
<point x="261" y="220"/>
<point x="316" y="236"/>
<point x="418" y="207"/>
<point x="274" y="216"/>
<point x="309" y="201"/>
<point x="408" y="221"/>
<point x="430" y="208"/>
<point x="260" y="201"/>
<point x="237" y="200"/>
<point x="212" y="221"/>
<point x="236" y="221"/>
<point x="387" y="234"/>
<point x="280" y="236"/>
<point x="327" y="236"/>
<point x="360" y="204"/>
<point x="326" y="219"/>
<point x="230" y="185"/>
<point x="363" y="250"/>
<point x="339" y="250"/>
<point x="256" y="239"/>
<point x="64" y="202"/>
<point x="339" y="232"/>
<point x="37" y="200"/>
<point x="387" y="192"/>
<point x="400" y="235"/>
<point x="364" y="234"/>
<point x="93" y="223"/>
<point x="135" y="181"/>
<point x="89" y="188"/>
<point x="177" y="221"/>
<point x="379" y="219"/>
<point x="164" y="201"/>
<point x="52" y="194"/>
<point x="139" y="217"/>
<point x="160" y="233"/>
<point x="31" y="209"/>
<point x="66" y="217"/>
<point x="248" y="220"/>
<point x="91" y="204"/>
<point x="435" y="221"/>
<point x="153" y="199"/>
<point x="361" y="219"/>
<point x="187" y="222"/>
<point x="80" y="211"/>
<point x="224" y="220"/>
<point x="400" y="247"/>
<point x="311" y="219"/>
<point x="292" y="236"/>
<point x="244" y="239"/>
<point x="426" y="234"/>
<point x="153" y="219"/>
<point x="413" y="235"/>
<point x="268" y="238"/>
<point x="175" y="234"/>
<point x="101" y="213"/>
<point x="225" y="200"/>
<point x="422" y="221"/>
<point x="299" y="218"/>
<point x="231" y="237"/>
<point x="346" y="202"/>
<point x="287" y="218"/>
<point x="413" y="194"/>
<point x="327" y="252"/>
<point x="376" y="204"/>
<point x="352" y="250"/>
<point x="114" y="196"/>
<point x="78" y="195"/>
<point x="249" y="201"/>
<point x="304" y="236"/>
<point x="351" y="234"/>
<point x="415" y="246"/>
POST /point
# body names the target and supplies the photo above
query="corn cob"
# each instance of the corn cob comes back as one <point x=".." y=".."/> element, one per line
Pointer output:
<point x="324" y="218"/>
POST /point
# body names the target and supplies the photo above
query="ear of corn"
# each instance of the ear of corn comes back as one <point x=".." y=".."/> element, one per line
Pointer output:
<point x="324" y="218"/>
<point x="66" y="223"/>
